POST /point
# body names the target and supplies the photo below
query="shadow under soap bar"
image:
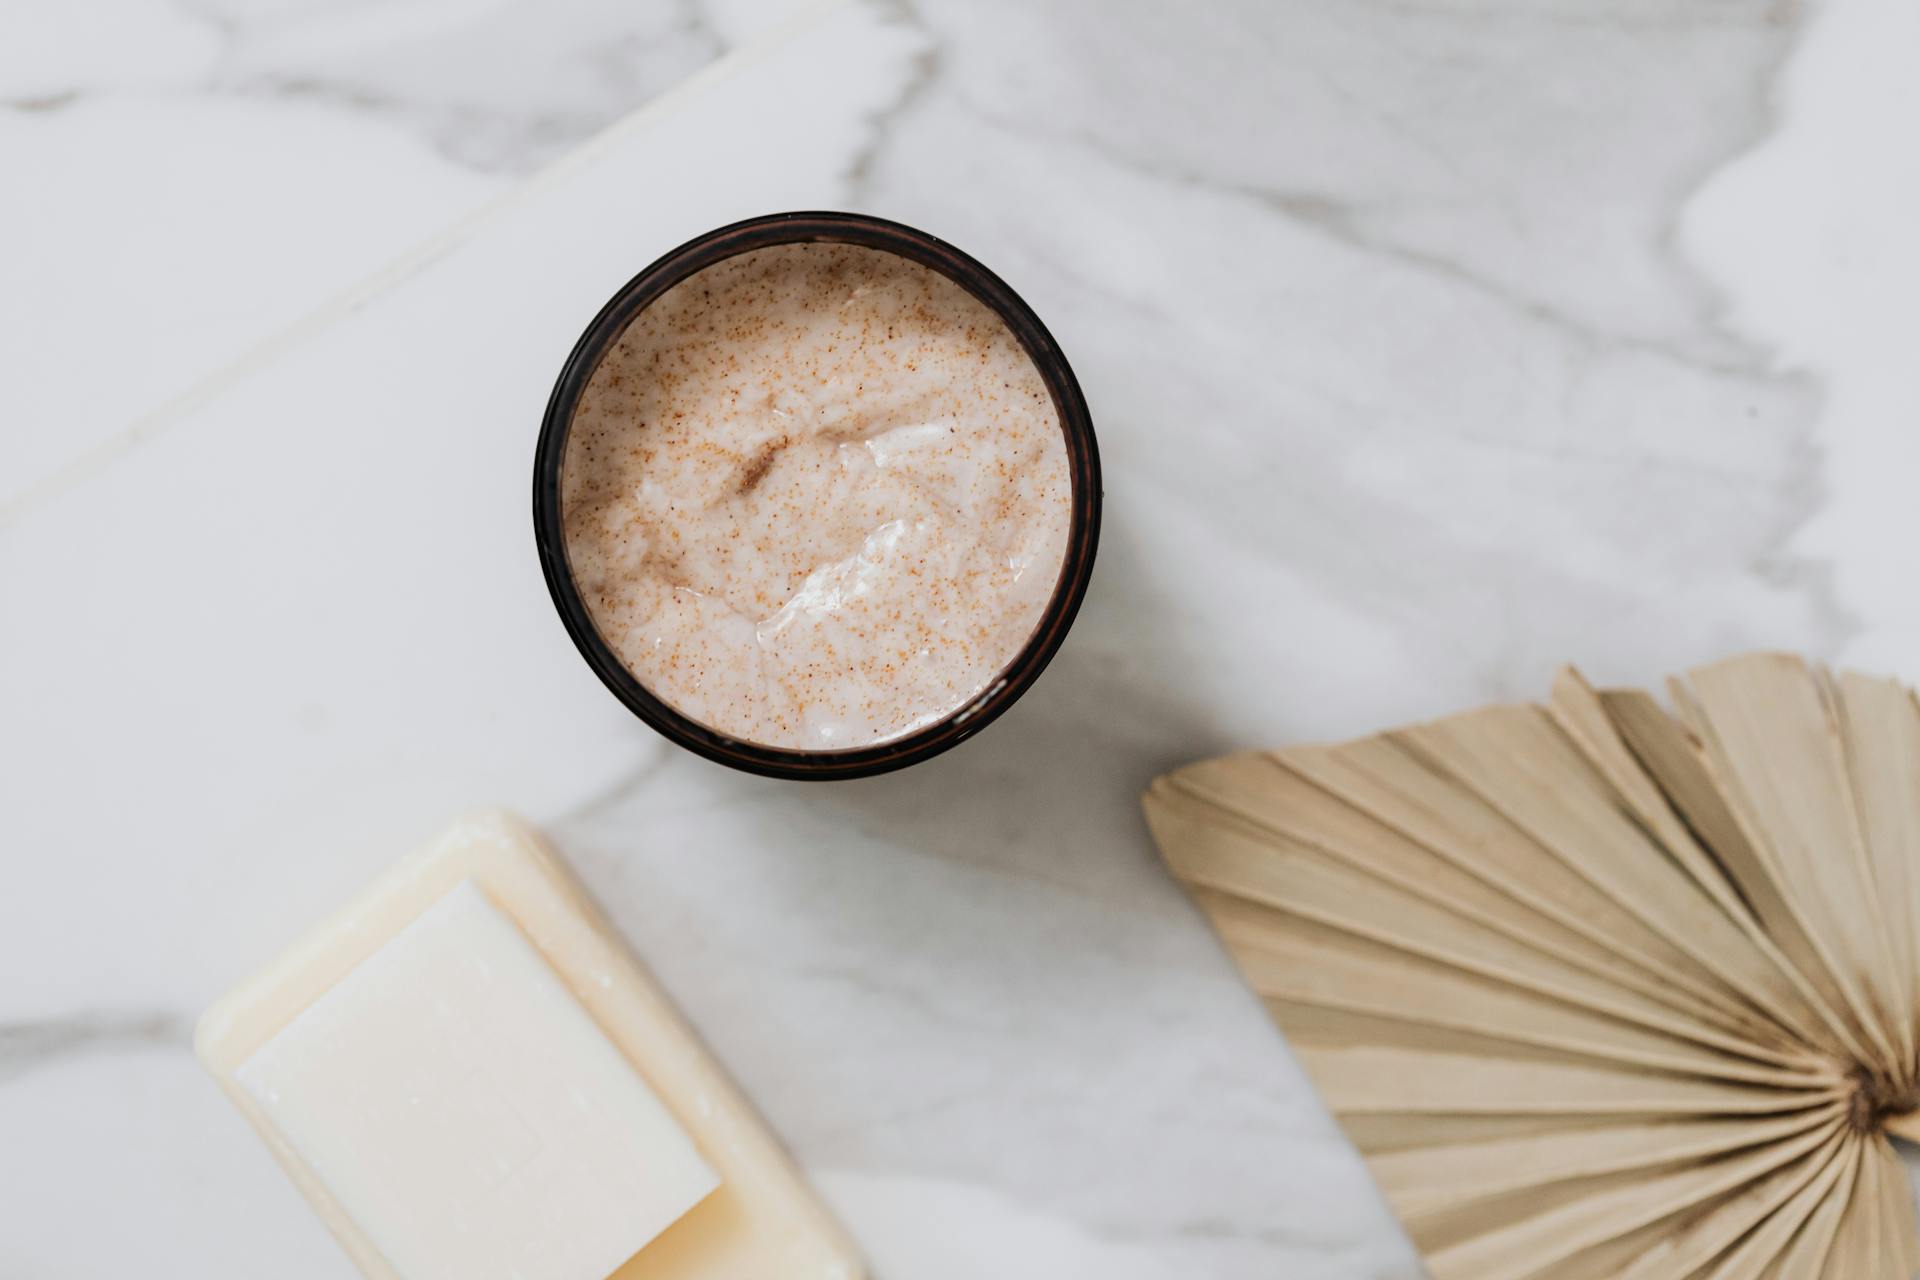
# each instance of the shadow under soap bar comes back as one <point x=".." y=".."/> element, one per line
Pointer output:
<point x="469" y="1076"/>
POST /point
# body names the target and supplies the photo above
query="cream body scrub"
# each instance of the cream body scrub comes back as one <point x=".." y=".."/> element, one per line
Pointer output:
<point x="816" y="496"/>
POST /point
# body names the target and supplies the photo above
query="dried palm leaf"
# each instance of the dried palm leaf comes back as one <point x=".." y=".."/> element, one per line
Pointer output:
<point x="1599" y="989"/>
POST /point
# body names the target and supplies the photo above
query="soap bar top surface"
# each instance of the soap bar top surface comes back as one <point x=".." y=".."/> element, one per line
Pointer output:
<point x="468" y="1114"/>
<point x="579" y="1023"/>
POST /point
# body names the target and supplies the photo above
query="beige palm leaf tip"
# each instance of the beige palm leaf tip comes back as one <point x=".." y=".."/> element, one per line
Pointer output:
<point x="1599" y="989"/>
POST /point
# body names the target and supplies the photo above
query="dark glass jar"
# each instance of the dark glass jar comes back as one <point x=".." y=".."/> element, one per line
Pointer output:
<point x="1083" y="463"/>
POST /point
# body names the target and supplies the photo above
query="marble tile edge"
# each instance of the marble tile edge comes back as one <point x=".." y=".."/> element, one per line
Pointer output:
<point x="158" y="420"/>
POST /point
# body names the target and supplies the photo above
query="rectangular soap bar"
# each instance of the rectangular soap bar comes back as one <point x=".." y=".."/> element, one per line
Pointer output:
<point x="471" y="1079"/>
<point x="459" y="1103"/>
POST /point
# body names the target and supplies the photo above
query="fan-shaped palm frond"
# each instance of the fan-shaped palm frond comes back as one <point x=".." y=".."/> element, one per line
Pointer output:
<point x="1599" y="989"/>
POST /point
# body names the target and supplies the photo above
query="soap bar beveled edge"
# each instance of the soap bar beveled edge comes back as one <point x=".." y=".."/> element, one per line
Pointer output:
<point x="506" y="858"/>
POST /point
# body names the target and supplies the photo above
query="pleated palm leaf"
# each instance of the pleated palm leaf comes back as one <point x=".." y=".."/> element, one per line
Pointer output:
<point x="1598" y="989"/>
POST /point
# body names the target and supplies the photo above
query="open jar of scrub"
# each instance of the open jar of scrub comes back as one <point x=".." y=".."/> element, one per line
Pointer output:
<point x="817" y="496"/>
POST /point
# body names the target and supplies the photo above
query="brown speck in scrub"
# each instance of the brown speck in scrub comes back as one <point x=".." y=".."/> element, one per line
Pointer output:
<point x="873" y="596"/>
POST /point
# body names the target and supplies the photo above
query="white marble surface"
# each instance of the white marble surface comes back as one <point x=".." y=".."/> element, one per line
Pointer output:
<point x="1430" y="344"/>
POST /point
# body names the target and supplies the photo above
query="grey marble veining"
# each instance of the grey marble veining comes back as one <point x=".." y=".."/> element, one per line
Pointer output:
<point x="1431" y="345"/>
<point x="46" y="1044"/>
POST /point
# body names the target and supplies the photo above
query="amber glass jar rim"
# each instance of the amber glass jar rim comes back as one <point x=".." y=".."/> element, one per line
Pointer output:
<point x="1083" y="460"/>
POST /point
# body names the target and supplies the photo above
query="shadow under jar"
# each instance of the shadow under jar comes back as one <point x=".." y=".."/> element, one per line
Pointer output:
<point x="817" y="496"/>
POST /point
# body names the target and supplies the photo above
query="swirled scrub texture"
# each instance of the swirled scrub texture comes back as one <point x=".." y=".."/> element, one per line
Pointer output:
<point x="816" y="496"/>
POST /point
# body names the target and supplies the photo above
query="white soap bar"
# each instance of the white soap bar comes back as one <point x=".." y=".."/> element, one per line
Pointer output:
<point x="469" y="1076"/>
<point x="465" y="1111"/>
